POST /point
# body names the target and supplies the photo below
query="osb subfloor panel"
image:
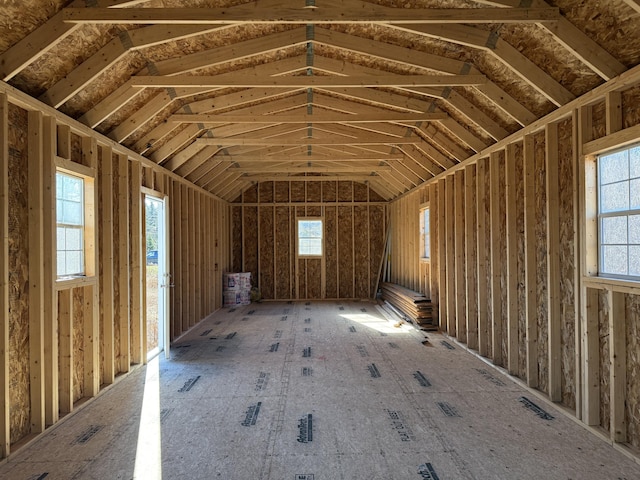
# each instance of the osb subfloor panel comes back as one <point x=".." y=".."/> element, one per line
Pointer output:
<point x="319" y="391"/>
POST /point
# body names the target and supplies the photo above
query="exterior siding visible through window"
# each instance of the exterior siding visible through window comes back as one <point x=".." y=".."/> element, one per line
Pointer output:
<point x="619" y="213"/>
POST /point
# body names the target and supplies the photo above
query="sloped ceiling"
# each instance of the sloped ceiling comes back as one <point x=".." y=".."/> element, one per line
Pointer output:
<point x="227" y="93"/>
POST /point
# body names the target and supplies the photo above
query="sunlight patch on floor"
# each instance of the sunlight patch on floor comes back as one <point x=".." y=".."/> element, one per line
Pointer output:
<point x="379" y="324"/>
<point x="148" y="464"/>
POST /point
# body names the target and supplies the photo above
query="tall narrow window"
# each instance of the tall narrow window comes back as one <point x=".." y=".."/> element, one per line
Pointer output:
<point x="310" y="237"/>
<point x="619" y="213"/>
<point x="70" y="222"/>
<point x="425" y="235"/>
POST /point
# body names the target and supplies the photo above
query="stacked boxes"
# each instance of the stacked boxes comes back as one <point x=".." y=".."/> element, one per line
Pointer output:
<point x="236" y="288"/>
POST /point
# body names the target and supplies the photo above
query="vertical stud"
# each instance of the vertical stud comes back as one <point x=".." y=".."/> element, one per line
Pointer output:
<point x="553" y="264"/>
<point x="471" y="260"/>
<point x="50" y="294"/>
<point x="124" y="312"/>
<point x="483" y="287"/>
<point x="511" y="201"/>
<point x="496" y="260"/>
<point x="137" y="324"/>
<point x="107" y="278"/>
<point x="530" y="265"/>
<point x="5" y="434"/>
<point x="618" y="367"/>
<point x="451" y="258"/>
<point x="36" y="272"/>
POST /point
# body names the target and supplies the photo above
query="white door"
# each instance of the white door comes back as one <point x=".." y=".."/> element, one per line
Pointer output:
<point x="157" y="277"/>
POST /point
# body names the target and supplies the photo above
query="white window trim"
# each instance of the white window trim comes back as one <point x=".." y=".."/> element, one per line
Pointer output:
<point x="307" y="219"/>
<point x="89" y="228"/>
<point x="425" y="257"/>
<point x="599" y="216"/>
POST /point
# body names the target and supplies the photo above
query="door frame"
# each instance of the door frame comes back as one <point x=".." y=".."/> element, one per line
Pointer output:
<point x="163" y="262"/>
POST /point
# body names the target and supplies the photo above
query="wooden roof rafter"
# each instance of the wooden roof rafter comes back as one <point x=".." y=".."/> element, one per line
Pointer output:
<point x="490" y="42"/>
<point x="575" y="40"/>
<point x="141" y="146"/>
<point x="473" y="113"/>
<point x="325" y="12"/>
<point x="136" y="121"/>
<point x="429" y="61"/>
<point x="101" y="61"/>
<point x="301" y="87"/>
<point x="188" y="63"/>
<point x="267" y="108"/>
<point x="219" y="103"/>
<point x="307" y="118"/>
<point x="47" y="36"/>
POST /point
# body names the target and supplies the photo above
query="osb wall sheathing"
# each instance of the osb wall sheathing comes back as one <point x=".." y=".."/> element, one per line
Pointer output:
<point x="283" y="268"/>
<point x="265" y="192"/>
<point x="520" y="249"/>
<point x="297" y="192"/>
<point x="102" y="281"/>
<point x="631" y="107"/>
<point x="314" y="272"/>
<point x="460" y="223"/>
<point x="603" y="331"/>
<point x="568" y="288"/>
<point x="266" y="223"/>
<point x="361" y="251"/>
<point x="376" y="244"/>
<point x="345" y="248"/>
<point x="351" y="262"/>
<point x="632" y="401"/>
<point x="502" y="247"/>
<point x="345" y="192"/>
<point x="471" y="246"/>
<point x="250" y="243"/>
<point x="314" y="193"/>
<point x="541" y="261"/>
<point x="117" y="297"/>
<point x="331" y="244"/>
<point x="487" y="252"/>
<point x="19" y="399"/>
<point x="281" y="192"/>
<point x="76" y="149"/>
<point x="236" y="238"/>
<point x="599" y="115"/>
<point x="77" y="297"/>
<point x="302" y="278"/>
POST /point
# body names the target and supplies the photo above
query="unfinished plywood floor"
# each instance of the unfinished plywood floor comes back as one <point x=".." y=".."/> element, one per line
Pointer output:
<point x="319" y="391"/>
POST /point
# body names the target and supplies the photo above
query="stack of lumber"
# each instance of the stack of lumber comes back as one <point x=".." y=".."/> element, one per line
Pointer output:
<point x="415" y="306"/>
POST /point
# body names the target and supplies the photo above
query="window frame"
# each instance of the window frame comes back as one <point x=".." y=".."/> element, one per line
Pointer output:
<point x="309" y="219"/>
<point x="87" y="176"/>
<point x="600" y="216"/>
<point x="425" y="232"/>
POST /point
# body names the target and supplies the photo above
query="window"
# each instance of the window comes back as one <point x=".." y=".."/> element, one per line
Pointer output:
<point x="425" y="235"/>
<point x="619" y="213"/>
<point x="310" y="237"/>
<point x="72" y="200"/>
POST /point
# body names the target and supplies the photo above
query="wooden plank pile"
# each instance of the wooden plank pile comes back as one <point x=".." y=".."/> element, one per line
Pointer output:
<point x="415" y="306"/>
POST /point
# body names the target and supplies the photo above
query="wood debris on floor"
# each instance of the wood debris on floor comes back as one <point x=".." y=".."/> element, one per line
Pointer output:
<point x="414" y="305"/>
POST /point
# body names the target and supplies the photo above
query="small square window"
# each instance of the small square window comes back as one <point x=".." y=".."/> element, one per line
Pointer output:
<point x="70" y="224"/>
<point x="310" y="237"/>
